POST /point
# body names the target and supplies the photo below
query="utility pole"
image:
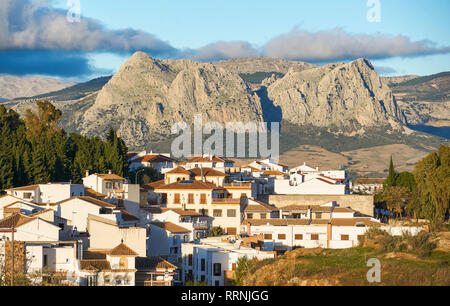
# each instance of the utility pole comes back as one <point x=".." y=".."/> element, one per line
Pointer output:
<point x="12" y="258"/>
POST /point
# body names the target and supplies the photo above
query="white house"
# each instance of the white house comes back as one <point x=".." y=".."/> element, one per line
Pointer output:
<point x="47" y="193"/>
<point x="214" y="261"/>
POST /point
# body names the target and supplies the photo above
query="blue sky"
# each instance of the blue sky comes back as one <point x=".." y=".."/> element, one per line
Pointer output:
<point x="411" y="38"/>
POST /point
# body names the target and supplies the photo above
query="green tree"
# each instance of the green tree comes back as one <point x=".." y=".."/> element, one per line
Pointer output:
<point x="392" y="177"/>
<point x="432" y="175"/>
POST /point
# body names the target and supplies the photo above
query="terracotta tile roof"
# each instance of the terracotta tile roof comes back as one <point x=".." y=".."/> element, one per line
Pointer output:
<point x="25" y="188"/>
<point x="89" y="192"/>
<point x="110" y="177"/>
<point x="154" y="185"/>
<point x="128" y="217"/>
<point x="274" y="173"/>
<point x="171" y="227"/>
<point x="318" y="208"/>
<point x="94" y="265"/>
<point x="207" y="172"/>
<point x="190" y="185"/>
<point x="334" y="179"/>
<point x="343" y="210"/>
<point x="15" y="220"/>
<point x="179" y="170"/>
<point x="276" y="222"/>
<point x="181" y="212"/>
<point x="325" y="181"/>
<point x="260" y="206"/>
<point x="320" y="222"/>
<point x="301" y="208"/>
<point x="154" y="264"/>
<point x="354" y="222"/>
<point x="155" y="158"/>
<point x="90" y="200"/>
<point x="215" y="159"/>
<point x="122" y="250"/>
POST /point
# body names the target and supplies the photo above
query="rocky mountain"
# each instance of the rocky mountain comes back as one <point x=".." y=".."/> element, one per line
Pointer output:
<point x="317" y="105"/>
<point x="262" y="64"/>
<point x="12" y="87"/>
<point x="349" y="96"/>
<point x="147" y="96"/>
<point x="392" y="81"/>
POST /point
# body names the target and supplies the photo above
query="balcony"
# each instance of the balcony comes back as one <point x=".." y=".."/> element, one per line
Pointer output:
<point x="246" y="185"/>
<point x="202" y="224"/>
<point x="226" y="201"/>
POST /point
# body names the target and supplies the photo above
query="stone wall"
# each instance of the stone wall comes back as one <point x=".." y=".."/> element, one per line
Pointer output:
<point x="361" y="203"/>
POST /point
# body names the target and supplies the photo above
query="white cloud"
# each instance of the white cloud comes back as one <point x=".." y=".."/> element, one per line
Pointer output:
<point x="339" y="45"/>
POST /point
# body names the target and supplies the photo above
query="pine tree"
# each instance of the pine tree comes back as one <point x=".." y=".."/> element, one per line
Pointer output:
<point x="392" y="177"/>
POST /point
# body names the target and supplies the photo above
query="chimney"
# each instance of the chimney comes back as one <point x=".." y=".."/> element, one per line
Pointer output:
<point x="87" y="173"/>
<point x="109" y="171"/>
<point x="329" y="234"/>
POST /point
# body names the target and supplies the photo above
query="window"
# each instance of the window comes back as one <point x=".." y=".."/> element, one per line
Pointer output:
<point x="345" y="237"/>
<point x="298" y="237"/>
<point x="249" y="216"/>
<point x="92" y="280"/>
<point x="175" y="240"/>
<point x="190" y="260"/>
<point x="314" y="237"/>
<point x="164" y="198"/>
<point x="27" y="195"/>
<point x="217" y="213"/>
<point x="177" y="199"/>
<point x="231" y="213"/>
<point x="203" y="265"/>
<point x="203" y="198"/>
<point x="191" y="198"/>
<point x="268" y="237"/>
<point x="263" y="216"/>
<point x="45" y="260"/>
<point x="217" y="269"/>
<point x="318" y="215"/>
<point x="281" y="236"/>
<point x="107" y="280"/>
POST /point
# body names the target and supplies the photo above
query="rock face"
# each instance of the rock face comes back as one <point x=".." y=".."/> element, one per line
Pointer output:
<point x="262" y="64"/>
<point x="348" y="96"/>
<point x="147" y="96"/>
<point x="12" y="87"/>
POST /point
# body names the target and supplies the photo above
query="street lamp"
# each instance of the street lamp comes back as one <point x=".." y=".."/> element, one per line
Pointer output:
<point x="137" y="173"/>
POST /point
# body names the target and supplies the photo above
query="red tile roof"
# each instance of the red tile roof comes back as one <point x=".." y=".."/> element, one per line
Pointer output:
<point x="171" y="227"/>
<point x="122" y="250"/>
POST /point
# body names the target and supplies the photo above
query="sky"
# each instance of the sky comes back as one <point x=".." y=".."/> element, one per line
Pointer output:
<point x="398" y="36"/>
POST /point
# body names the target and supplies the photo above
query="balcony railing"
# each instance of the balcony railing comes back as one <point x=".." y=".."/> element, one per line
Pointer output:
<point x="200" y="224"/>
<point x="242" y="184"/>
<point x="226" y="201"/>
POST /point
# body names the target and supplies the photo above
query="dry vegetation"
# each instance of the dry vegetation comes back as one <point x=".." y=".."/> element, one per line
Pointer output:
<point x="405" y="261"/>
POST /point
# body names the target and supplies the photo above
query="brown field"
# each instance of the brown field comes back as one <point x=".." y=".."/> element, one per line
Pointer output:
<point x="363" y="161"/>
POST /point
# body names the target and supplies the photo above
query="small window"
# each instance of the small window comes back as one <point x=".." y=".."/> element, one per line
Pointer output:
<point x="318" y="215"/>
<point x="249" y="216"/>
<point x="281" y="236"/>
<point x="263" y="216"/>
<point x="177" y="199"/>
<point x="164" y="198"/>
<point x="268" y="237"/>
<point x="191" y="198"/>
<point x="298" y="237"/>
<point x="314" y="237"/>
<point x="190" y="260"/>
<point x="203" y="198"/>
<point x="217" y="269"/>
<point x="203" y="265"/>
<point x="345" y="237"/>
<point x="217" y="213"/>
<point x="231" y="213"/>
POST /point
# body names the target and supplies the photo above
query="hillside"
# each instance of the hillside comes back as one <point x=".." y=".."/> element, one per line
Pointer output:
<point x="410" y="266"/>
<point x="12" y="87"/>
